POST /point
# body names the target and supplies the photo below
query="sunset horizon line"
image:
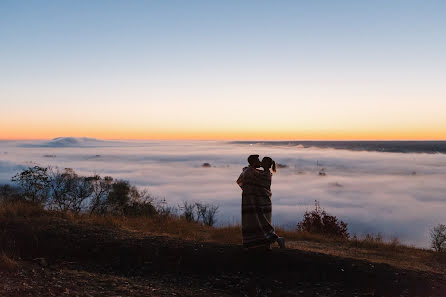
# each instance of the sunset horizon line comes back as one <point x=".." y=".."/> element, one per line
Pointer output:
<point x="231" y="139"/>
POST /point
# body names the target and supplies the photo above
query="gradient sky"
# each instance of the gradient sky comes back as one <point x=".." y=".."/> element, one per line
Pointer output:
<point x="223" y="69"/>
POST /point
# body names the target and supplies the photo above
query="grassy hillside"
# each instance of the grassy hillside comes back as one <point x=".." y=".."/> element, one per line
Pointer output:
<point x="173" y="256"/>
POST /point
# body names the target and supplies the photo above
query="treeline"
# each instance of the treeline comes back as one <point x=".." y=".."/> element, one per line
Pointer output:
<point x="64" y="190"/>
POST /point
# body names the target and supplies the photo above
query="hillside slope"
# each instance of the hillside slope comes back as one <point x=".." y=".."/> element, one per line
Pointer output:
<point x="60" y="257"/>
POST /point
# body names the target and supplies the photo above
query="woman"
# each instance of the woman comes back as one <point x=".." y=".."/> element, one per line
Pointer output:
<point x="257" y="230"/>
<point x="265" y="204"/>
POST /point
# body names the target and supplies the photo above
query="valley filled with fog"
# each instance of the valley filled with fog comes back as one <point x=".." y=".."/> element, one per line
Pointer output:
<point x="396" y="194"/>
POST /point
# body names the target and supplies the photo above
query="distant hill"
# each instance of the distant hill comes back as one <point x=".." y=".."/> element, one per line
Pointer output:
<point x="71" y="142"/>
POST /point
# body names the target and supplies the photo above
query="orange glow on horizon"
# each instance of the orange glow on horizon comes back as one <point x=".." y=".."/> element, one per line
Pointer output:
<point x="230" y="135"/>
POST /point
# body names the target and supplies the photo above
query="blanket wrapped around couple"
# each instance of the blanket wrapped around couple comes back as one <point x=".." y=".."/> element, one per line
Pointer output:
<point x="256" y="208"/>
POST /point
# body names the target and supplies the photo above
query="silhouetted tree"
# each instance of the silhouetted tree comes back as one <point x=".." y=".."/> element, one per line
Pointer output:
<point x="188" y="211"/>
<point x="101" y="189"/>
<point x="118" y="197"/>
<point x="34" y="184"/>
<point x="438" y="238"/>
<point x="69" y="191"/>
<point x="140" y="204"/>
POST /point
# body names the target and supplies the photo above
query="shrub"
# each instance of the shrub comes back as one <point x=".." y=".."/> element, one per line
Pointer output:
<point x="438" y="238"/>
<point x="318" y="221"/>
<point x="165" y="210"/>
<point x="206" y="213"/>
<point x="199" y="212"/>
<point x="140" y="204"/>
<point x="125" y="199"/>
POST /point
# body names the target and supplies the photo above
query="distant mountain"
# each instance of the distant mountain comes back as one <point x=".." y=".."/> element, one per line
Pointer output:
<point x="70" y="142"/>
<point x="73" y="141"/>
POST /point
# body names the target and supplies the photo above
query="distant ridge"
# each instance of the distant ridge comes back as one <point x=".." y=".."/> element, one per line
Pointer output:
<point x="429" y="147"/>
<point x="70" y="142"/>
<point x="73" y="141"/>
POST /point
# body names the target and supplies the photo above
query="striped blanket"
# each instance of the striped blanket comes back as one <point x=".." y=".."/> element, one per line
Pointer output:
<point x="256" y="208"/>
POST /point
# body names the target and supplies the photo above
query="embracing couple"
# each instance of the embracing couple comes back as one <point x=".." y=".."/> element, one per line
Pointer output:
<point x="257" y="230"/>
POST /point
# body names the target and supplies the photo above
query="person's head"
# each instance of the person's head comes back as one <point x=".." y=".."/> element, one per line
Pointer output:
<point x="254" y="161"/>
<point x="268" y="163"/>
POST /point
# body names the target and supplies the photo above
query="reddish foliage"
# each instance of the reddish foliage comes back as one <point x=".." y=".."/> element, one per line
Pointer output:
<point x="318" y="221"/>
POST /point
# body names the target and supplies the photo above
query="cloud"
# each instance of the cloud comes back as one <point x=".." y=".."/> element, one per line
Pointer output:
<point x="372" y="191"/>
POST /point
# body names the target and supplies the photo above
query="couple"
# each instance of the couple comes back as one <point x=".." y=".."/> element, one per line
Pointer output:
<point x="257" y="230"/>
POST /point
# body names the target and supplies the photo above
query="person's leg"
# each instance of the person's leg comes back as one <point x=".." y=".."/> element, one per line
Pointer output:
<point x="281" y="242"/>
<point x="268" y="247"/>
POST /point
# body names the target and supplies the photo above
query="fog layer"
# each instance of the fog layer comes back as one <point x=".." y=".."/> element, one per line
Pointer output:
<point x="397" y="194"/>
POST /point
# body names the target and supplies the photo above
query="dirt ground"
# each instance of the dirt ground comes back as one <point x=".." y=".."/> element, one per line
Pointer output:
<point x="57" y="258"/>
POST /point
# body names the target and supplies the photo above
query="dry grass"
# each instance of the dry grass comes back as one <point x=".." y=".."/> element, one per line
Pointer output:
<point x="371" y="248"/>
<point x="10" y="210"/>
<point x="7" y="264"/>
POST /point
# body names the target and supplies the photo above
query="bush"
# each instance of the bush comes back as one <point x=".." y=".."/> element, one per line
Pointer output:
<point x="318" y="221"/>
<point x="199" y="212"/>
<point x="165" y="210"/>
<point x="206" y="213"/>
<point x="438" y="238"/>
<point x="140" y="204"/>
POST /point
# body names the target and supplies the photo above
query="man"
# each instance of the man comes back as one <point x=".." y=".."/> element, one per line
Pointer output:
<point x="254" y="163"/>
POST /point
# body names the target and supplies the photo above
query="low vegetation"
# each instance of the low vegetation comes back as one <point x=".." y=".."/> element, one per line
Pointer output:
<point x="319" y="222"/>
<point x="63" y="190"/>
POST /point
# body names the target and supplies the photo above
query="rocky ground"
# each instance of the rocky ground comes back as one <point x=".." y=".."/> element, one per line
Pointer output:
<point x="58" y="258"/>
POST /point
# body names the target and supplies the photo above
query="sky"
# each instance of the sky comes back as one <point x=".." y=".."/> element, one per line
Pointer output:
<point x="307" y="70"/>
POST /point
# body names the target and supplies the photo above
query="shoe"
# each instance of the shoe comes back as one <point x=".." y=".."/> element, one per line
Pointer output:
<point x="281" y="242"/>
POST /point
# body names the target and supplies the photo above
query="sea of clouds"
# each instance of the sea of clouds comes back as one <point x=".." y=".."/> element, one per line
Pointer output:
<point x="396" y="194"/>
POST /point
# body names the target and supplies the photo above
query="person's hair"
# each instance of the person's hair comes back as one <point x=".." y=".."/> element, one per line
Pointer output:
<point x="252" y="158"/>
<point x="271" y="163"/>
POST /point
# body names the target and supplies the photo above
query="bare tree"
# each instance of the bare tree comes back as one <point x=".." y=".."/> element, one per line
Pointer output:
<point x="438" y="238"/>
<point x="34" y="183"/>
<point x="101" y="187"/>
<point x="188" y="211"/>
<point x="61" y="185"/>
<point x="68" y="190"/>
<point x="81" y="192"/>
